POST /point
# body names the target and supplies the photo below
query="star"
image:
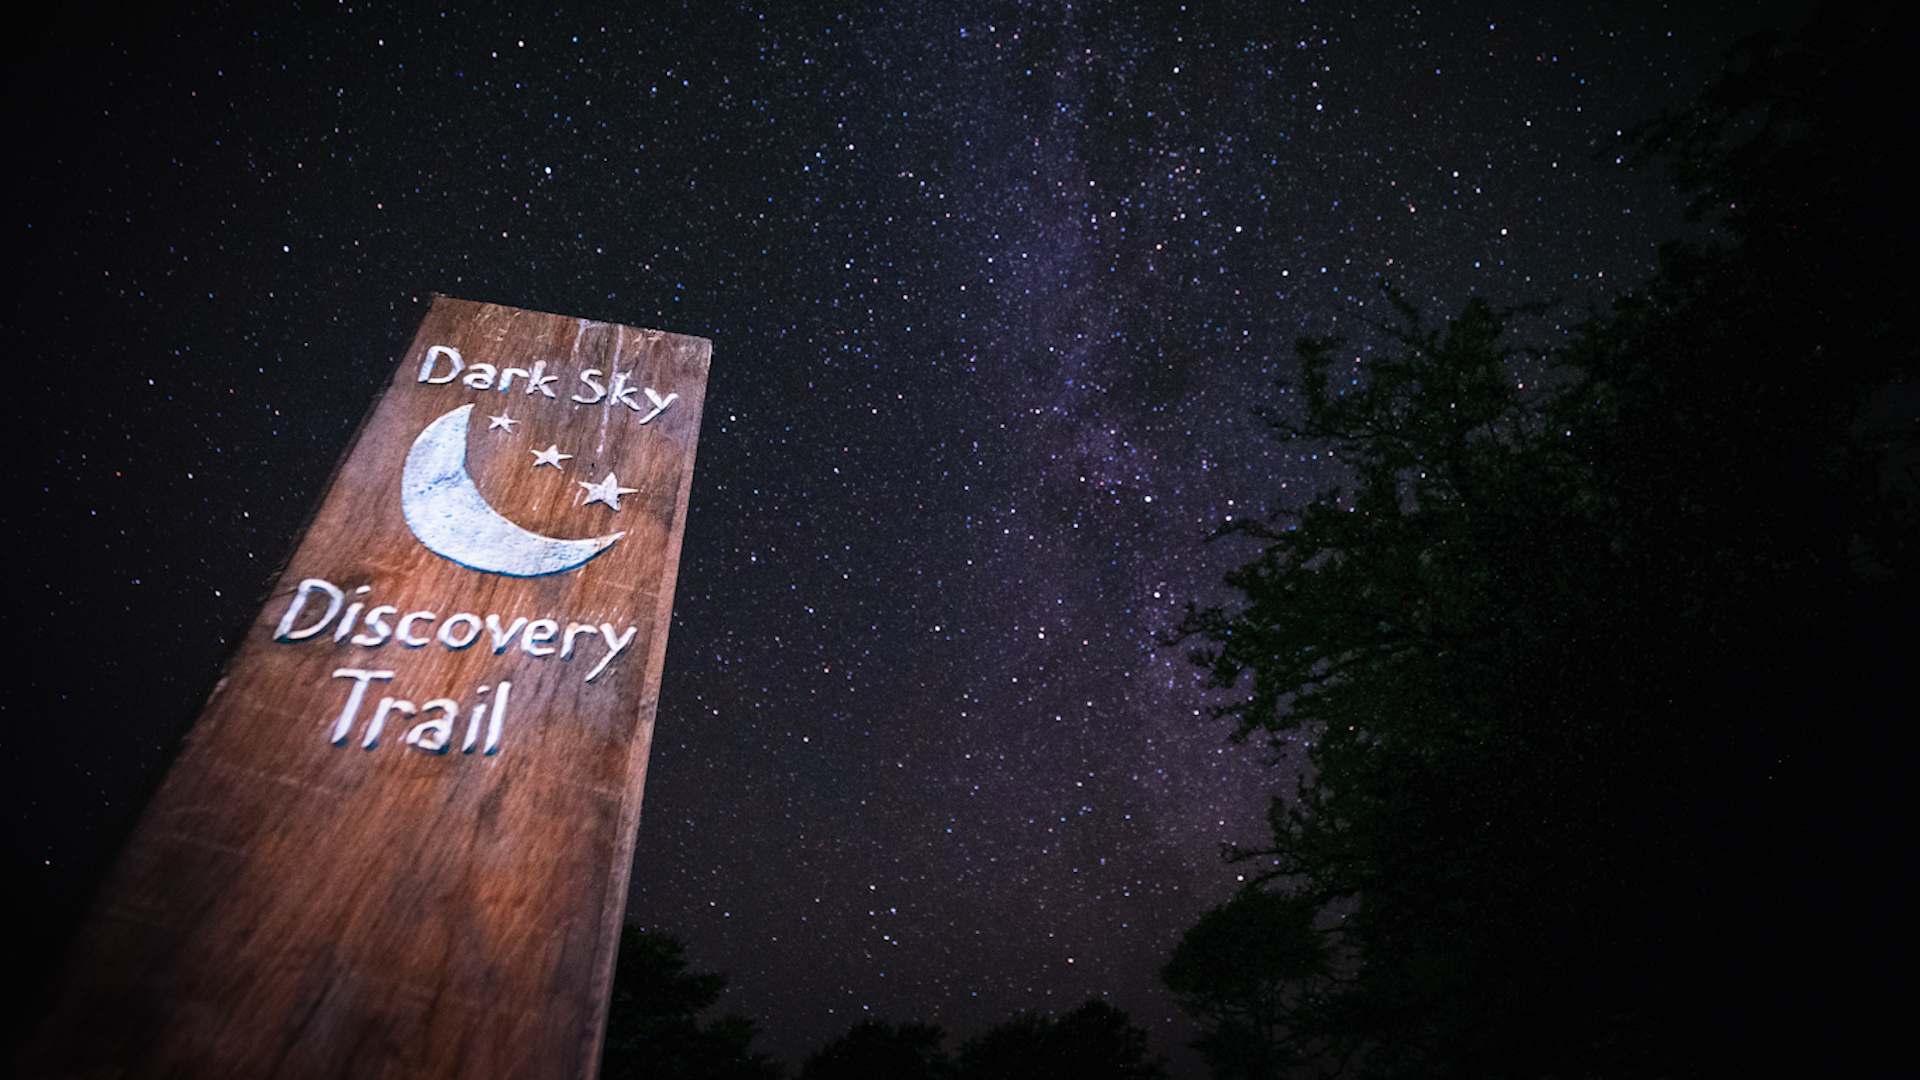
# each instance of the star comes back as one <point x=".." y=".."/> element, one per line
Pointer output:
<point x="550" y="456"/>
<point x="606" y="491"/>
<point x="502" y="421"/>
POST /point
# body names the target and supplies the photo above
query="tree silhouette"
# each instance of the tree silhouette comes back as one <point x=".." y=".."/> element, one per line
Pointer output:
<point x="1249" y="970"/>
<point x="875" y="1048"/>
<point x="1093" y="1042"/>
<point x="1581" y="657"/>
<point x="653" y="1028"/>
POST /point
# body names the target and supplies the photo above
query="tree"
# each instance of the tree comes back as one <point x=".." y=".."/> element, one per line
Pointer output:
<point x="653" y="1028"/>
<point x="1093" y="1042"/>
<point x="1581" y="665"/>
<point x="1425" y="633"/>
<point x="875" y="1048"/>
<point x="1248" y="970"/>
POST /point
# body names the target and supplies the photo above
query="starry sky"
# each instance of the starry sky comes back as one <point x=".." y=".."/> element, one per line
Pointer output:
<point x="995" y="291"/>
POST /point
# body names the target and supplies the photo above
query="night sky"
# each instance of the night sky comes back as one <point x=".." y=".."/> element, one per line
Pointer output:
<point x="995" y="292"/>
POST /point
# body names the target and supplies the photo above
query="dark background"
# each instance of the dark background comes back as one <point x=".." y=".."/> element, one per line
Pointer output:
<point x="994" y="293"/>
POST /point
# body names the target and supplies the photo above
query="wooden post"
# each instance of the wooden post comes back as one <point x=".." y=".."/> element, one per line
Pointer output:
<point x="396" y="843"/>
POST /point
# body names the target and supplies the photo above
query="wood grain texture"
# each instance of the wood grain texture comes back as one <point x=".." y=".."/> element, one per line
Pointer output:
<point x="289" y="907"/>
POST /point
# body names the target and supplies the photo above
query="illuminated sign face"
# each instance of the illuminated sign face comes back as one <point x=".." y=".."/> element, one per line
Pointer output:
<point x="411" y="804"/>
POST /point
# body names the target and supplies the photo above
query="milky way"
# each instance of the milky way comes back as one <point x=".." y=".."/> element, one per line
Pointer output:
<point x="996" y="294"/>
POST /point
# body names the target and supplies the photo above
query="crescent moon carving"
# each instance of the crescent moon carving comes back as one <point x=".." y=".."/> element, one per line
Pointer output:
<point x="450" y="516"/>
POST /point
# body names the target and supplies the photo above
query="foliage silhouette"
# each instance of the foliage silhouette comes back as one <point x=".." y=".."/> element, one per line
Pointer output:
<point x="875" y="1048"/>
<point x="653" y="1030"/>
<point x="1093" y="1042"/>
<point x="1557" y="652"/>
<point x="1250" y="969"/>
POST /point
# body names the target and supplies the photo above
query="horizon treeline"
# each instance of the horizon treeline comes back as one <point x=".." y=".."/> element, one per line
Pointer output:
<point x="654" y="1033"/>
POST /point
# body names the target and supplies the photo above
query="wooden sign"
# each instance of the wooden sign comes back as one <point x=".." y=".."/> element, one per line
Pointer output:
<point x="396" y="843"/>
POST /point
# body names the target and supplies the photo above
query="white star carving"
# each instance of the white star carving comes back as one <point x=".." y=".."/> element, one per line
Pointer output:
<point x="606" y="491"/>
<point x="502" y="421"/>
<point x="550" y="456"/>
